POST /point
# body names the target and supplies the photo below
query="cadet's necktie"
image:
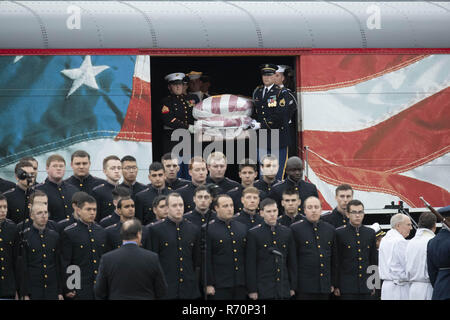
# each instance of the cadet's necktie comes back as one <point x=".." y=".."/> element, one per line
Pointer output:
<point x="265" y="92"/>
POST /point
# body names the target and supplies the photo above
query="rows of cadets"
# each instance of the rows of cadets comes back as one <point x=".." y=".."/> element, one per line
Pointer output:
<point x="258" y="239"/>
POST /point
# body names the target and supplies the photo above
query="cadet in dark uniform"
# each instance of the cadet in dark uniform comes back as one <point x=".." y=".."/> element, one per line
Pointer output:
<point x="38" y="197"/>
<point x="268" y="172"/>
<point x="118" y="193"/>
<point x="8" y="253"/>
<point x="77" y="196"/>
<point x="160" y="207"/>
<point x="144" y="199"/>
<point x="438" y="260"/>
<point x="271" y="264"/>
<point x="247" y="172"/>
<point x="356" y="251"/>
<point x="201" y="213"/>
<point x="82" y="244"/>
<point x="271" y="112"/>
<point x="197" y="170"/>
<point x="316" y="253"/>
<point x="81" y="179"/>
<point x="249" y="215"/>
<point x="6" y="185"/>
<point x="171" y="169"/>
<point x="16" y="196"/>
<point x="112" y="168"/>
<point x="177" y="242"/>
<point x="294" y="171"/>
<point x="58" y="191"/>
<point x="41" y="279"/>
<point x="338" y="217"/>
<point x="176" y="110"/>
<point x="225" y="254"/>
<point x="291" y="204"/>
<point x="130" y="171"/>
<point x="217" y="166"/>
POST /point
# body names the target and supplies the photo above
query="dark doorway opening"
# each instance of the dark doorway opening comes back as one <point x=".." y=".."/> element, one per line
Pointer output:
<point x="229" y="75"/>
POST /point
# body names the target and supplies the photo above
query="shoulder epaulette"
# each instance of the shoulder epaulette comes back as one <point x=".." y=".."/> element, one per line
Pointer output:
<point x="111" y="226"/>
<point x="105" y="218"/>
<point x="142" y="191"/>
<point x="212" y="221"/>
<point x="39" y="185"/>
<point x="326" y="213"/>
<point x="99" y="186"/>
<point x="341" y="227"/>
<point x="256" y="227"/>
<point x="278" y="183"/>
<point x="9" y="191"/>
<point x="73" y="225"/>
<point x="297" y="222"/>
<point x="234" y="189"/>
<point x="189" y="212"/>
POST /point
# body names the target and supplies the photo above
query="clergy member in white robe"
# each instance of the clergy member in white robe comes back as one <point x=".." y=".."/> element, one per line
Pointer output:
<point x="420" y="287"/>
<point x="392" y="261"/>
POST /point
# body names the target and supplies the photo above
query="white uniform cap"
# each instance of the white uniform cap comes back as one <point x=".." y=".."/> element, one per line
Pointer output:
<point x="174" y="76"/>
<point x="194" y="75"/>
<point x="376" y="227"/>
<point x="281" y="68"/>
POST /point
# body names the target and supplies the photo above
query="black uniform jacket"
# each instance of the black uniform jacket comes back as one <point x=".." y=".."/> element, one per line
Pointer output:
<point x="438" y="262"/>
<point x="9" y="244"/>
<point x="225" y="185"/>
<point x="176" y="184"/>
<point x="264" y="187"/>
<point x="199" y="219"/>
<point x="135" y="188"/>
<point x="85" y="184"/>
<point x="103" y="194"/>
<point x="130" y="273"/>
<point x="335" y="218"/>
<point x="316" y="256"/>
<point x="305" y="190"/>
<point x="270" y="275"/>
<point x="16" y="204"/>
<point x="109" y="220"/>
<point x="59" y="199"/>
<point x="144" y="203"/>
<point x="249" y="220"/>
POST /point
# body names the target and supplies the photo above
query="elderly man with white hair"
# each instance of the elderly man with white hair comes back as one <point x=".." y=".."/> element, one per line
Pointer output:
<point x="392" y="261"/>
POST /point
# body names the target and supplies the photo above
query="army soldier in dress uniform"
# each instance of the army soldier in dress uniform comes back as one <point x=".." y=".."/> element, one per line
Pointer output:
<point x="217" y="166"/>
<point x="177" y="242"/>
<point x="201" y="213"/>
<point x="8" y="254"/>
<point x="356" y="251"/>
<point x="316" y="253"/>
<point x="82" y="244"/>
<point x="294" y="171"/>
<point x="58" y="191"/>
<point x="171" y="168"/>
<point x="80" y="161"/>
<point x="248" y="172"/>
<point x="271" y="264"/>
<point x="41" y="279"/>
<point x="129" y="172"/>
<point x="249" y="215"/>
<point x="268" y="172"/>
<point x="338" y="217"/>
<point x="112" y="168"/>
<point x="16" y="196"/>
<point x="144" y="199"/>
<point x="272" y="112"/>
<point x="225" y="253"/>
<point x="197" y="171"/>
<point x="176" y="110"/>
<point x="291" y="204"/>
<point x="118" y="193"/>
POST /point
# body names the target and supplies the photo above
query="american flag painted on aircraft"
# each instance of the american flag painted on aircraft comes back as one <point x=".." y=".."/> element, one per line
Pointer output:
<point x="380" y="123"/>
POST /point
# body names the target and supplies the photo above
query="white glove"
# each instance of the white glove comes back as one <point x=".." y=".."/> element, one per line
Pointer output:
<point x="255" y="125"/>
<point x="191" y="128"/>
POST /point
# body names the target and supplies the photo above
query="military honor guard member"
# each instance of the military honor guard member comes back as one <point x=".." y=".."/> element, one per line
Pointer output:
<point x="271" y="264"/>
<point x="247" y="172"/>
<point x="118" y="193"/>
<point x="438" y="260"/>
<point x="157" y="186"/>
<point x="171" y="169"/>
<point x="291" y="204"/>
<point x="58" y="191"/>
<point x="201" y="213"/>
<point x="80" y="161"/>
<point x="225" y="253"/>
<point x="112" y="168"/>
<point x="177" y="242"/>
<point x="82" y="244"/>
<point x="356" y="251"/>
<point x="125" y="211"/>
<point x="268" y="173"/>
<point x="316" y="253"/>
<point x="198" y="172"/>
<point x="129" y="172"/>
<point x="217" y="166"/>
<point x="249" y="215"/>
<point x="338" y="217"/>
<point x="392" y="261"/>
<point x="77" y="196"/>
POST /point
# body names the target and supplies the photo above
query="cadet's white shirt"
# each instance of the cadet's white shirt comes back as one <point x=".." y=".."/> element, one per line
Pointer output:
<point x="392" y="266"/>
<point x="416" y="265"/>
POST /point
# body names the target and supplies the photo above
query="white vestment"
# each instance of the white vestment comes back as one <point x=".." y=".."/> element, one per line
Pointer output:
<point x="416" y="266"/>
<point x="392" y="266"/>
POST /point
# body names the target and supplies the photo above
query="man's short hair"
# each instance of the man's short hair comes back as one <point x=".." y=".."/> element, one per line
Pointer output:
<point x="173" y="195"/>
<point x="156" y="166"/>
<point x="290" y="192"/>
<point x="21" y="165"/>
<point x="128" y="158"/>
<point x="55" y="158"/>
<point x="310" y="197"/>
<point x="217" y="155"/>
<point x="2" y="197"/>
<point x="196" y="159"/>
<point x="85" y="199"/>
<point x="77" y="196"/>
<point x="35" y="194"/>
<point x="119" y="203"/>
<point x="168" y="156"/>
<point x="80" y="154"/>
<point x="201" y="188"/>
<point x="216" y="199"/>
<point x="427" y="220"/>
<point x="250" y="190"/>
<point x="30" y="159"/>
<point x="111" y="157"/>
<point x="344" y="187"/>
<point x="270" y="157"/>
<point x="266" y="202"/>
<point x="130" y="229"/>
<point x="354" y="203"/>
<point x="158" y="199"/>
<point x="396" y="219"/>
<point x="120" y="192"/>
<point x="248" y="163"/>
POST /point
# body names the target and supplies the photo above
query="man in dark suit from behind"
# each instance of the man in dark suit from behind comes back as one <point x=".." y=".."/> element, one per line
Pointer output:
<point x="130" y="272"/>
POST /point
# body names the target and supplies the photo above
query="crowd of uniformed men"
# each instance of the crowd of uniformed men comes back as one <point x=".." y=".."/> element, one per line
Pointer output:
<point x="216" y="238"/>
